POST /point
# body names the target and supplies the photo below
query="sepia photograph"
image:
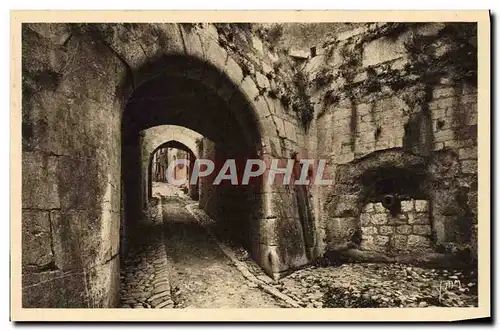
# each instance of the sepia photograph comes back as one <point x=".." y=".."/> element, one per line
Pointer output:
<point x="189" y="163"/>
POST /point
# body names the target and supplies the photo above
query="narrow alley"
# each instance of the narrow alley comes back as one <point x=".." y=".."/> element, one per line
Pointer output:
<point x="196" y="274"/>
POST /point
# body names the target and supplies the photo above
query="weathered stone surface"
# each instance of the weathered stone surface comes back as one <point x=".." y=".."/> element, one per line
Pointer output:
<point x="368" y="208"/>
<point x="380" y="240"/>
<point x="67" y="290"/>
<point x="37" y="239"/>
<point x="262" y="81"/>
<point x="422" y="229"/>
<point x="379" y="219"/>
<point x="365" y="219"/>
<point x="369" y="230"/>
<point x="385" y="230"/>
<point x="249" y="88"/>
<point x="345" y="206"/>
<point x="368" y="243"/>
<point x="407" y="205"/>
<point x="418" y="218"/>
<point x="415" y="241"/>
<point x="469" y="166"/>
<point x="404" y="229"/>
<point x="379" y="208"/>
<point x="399" y="242"/>
<point x="421" y="206"/>
<point x="40" y="184"/>
<point x="214" y="54"/>
<point x="233" y="70"/>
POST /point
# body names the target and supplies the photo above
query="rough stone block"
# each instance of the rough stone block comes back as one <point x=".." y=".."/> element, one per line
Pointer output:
<point x="368" y="208"/>
<point x="472" y="200"/>
<point x="249" y="88"/>
<point x="262" y="80"/>
<point x="407" y="205"/>
<point x="57" y="33"/>
<point x="299" y="53"/>
<point x="367" y="243"/>
<point x="365" y="219"/>
<point x="83" y="173"/>
<point x="443" y="92"/>
<point x="385" y="230"/>
<point x="266" y="68"/>
<point x="404" y="229"/>
<point x="257" y="44"/>
<point x="422" y="229"/>
<point x="214" y="54"/>
<point x="280" y="126"/>
<point x="233" y="70"/>
<point x="399" y="242"/>
<point x="36" y="239"/>
<point x="444" y="135"/>
<point x="193" y="44"/>
<point x="469" y="153"/>
<point x="421" y="206"/>
<point x="379" y="219"/>
<point x="381" y="241"/>
<point x="382" y="50"/>
<point x="469" y="167"/>
<point x="415" y="241"/>
<point x="39" y="179"/>
<point x="368" y="230"/>
<point x="268" y="258"/>
<point x="448" y="227"/>
<point x="379" y="208"/>
<point x="267" y="124"/>
<point x="76" y="234"/>
<point x="290" y="130"/>
<point x="418" y="218"/>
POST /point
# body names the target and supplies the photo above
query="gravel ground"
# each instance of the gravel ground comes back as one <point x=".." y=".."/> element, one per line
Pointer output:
<point x="381" y="285"/>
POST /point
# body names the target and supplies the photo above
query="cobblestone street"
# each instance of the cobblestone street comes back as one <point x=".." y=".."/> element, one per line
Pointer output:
<point x="196" y="274"/>
<point x="145" y="276"/>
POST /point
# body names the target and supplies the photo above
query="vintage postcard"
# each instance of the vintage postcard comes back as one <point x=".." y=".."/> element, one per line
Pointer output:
<point x="250" y="166"/>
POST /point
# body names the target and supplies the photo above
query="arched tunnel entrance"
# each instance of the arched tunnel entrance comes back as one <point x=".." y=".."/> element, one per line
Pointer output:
<point x="186" y="92"/>
<point x="158" y="163"/>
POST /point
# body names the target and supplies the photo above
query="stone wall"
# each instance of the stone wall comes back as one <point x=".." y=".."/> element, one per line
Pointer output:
<point x="70" y="169"/>
<point x="408" y="231"/>
<point x="394" y="87"/>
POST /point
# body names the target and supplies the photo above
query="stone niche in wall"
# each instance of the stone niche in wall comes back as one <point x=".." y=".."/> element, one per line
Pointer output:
<point x="381" y="203"/>
<point x="408" y="230"/>
<point x="394" y="218"/>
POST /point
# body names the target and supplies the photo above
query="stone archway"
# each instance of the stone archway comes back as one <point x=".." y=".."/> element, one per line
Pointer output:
<point x="175" y="95"/>
<point x="153" y="138"/>
<point x="148" y="174"/>
<point x="97" y="79"/>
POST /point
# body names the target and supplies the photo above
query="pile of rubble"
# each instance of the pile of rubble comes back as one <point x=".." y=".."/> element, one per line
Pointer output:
<point x="380" y="285"/>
